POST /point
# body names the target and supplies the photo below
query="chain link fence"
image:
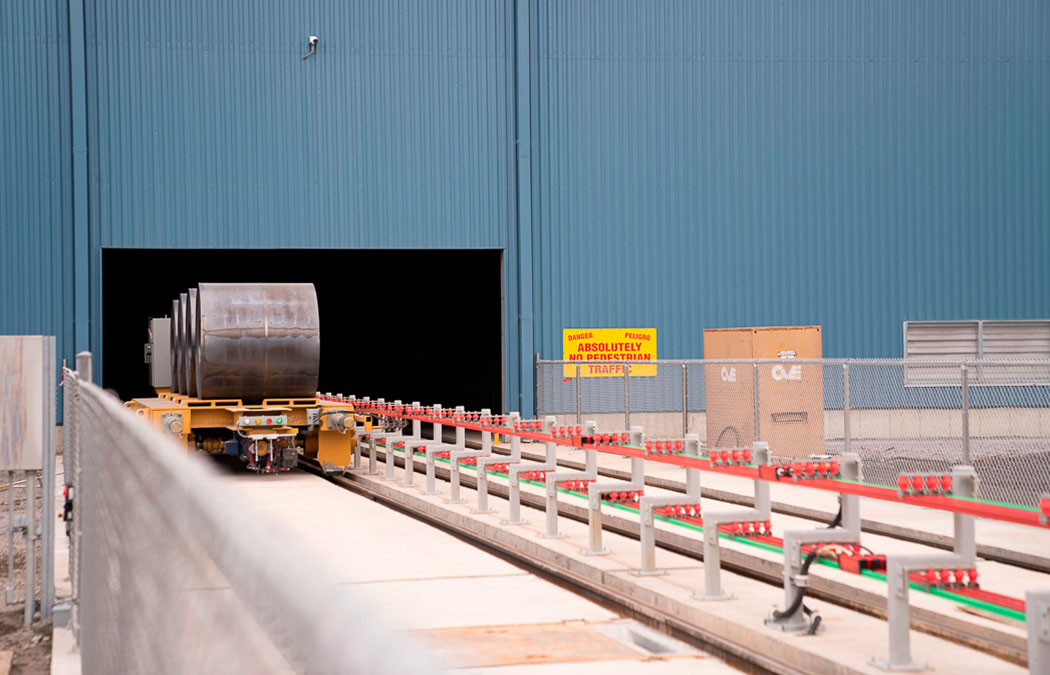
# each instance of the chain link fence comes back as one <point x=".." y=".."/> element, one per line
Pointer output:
<point x="171" y="574"/>
<point x="898" y="416"/>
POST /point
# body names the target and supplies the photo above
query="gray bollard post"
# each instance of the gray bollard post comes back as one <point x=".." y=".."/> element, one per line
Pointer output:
<point x="589" y="473"/>
<point x="712" y="545"/>
<point x="410" y="450"/>
<point x="461" y="443"/>
<point x="515" y="471"/>
<point x="1037" y="606"/>
<point x="595" y="490"/>
<point x="484" y="458"/>
<point x="389" y="441"/>
<point x="964" y="479"/>
<point x="647" y="530"/>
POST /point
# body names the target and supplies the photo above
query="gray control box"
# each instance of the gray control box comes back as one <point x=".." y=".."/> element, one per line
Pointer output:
<point x="158" y="352"/>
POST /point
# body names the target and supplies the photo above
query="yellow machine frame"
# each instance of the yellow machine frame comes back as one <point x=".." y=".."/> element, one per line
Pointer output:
<point x="185" y="417"/>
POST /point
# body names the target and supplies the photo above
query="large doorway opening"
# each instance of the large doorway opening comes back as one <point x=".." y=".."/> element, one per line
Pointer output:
<point x="415" y="325"/>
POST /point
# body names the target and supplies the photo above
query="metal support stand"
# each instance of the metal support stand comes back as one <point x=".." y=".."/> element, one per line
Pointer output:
<point x="373" y="469"/>
<point x="389" y="440"/>
<point x="479" y="467"/>
<point x="712" y="550"/>
<point x="758" y="413"/>
<point x="358" y="430"/>
<point x="30" y="537"/>
<point x="484" y="462"/>
<point x="595" y="490"/>
<point x="647" y="504"/>
<point x="627" y="396"/>
<point x="589" y="473"/>
<point x="515" y="470"/>
<point x="454" y="457"/>
<point x="685" y="399"/>
<point x="9" y="589"/>
<point x="411" y="444"/>
<point x="1037" y="605"/>
<point x="964" y="555"/>
<point x="847" y="532"/>
<point x="579" y="410"/>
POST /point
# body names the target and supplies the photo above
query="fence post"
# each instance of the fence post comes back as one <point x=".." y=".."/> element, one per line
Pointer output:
<point x="536" y="407"/>
<point x="685" y="399"/>
<point x="579" y="414"/>
<point x="626" y="396"/>
<point x="965" y="414"/>
<point x="758" y="416"/>
<point x="845" y="408"/>
<point x="84" y="366"/>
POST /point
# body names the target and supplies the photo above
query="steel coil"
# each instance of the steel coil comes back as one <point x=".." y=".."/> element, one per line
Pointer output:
<point x="174" y="323"/>
<point x="189" y="342"/>
<point x="257" y="341"/>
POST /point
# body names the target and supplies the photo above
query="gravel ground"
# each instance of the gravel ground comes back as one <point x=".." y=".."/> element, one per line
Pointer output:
<point x="31" y="646"/>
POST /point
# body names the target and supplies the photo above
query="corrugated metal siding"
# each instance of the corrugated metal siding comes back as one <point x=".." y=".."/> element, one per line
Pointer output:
<point x="733" y="163"/>
<point x="208" y="129"/>
<point x="35" y="171"/>
<point x="694" y="164"/>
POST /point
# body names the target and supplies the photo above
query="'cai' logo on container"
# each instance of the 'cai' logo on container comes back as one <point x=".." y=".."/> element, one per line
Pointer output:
<point x="780" y="373"/>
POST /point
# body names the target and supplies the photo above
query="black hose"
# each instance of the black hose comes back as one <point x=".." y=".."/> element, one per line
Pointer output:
<point x="718" y="441"/>
<point x="838" y="518"/>
<point x="797" y="602"/>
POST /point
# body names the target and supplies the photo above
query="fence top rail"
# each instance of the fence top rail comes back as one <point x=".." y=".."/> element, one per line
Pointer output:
<point x="826" y="362"/>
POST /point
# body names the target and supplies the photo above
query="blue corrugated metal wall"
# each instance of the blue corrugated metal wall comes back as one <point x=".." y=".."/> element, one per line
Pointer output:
<point x="690" y="164"/>
<point x="35" y="172"/>
<point x="744" y="162"/>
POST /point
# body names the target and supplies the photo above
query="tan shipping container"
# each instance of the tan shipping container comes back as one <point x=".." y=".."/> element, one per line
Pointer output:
<point x="791" y="396"/>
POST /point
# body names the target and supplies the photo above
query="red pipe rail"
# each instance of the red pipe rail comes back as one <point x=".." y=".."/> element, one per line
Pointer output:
<point x="567" y="436"/>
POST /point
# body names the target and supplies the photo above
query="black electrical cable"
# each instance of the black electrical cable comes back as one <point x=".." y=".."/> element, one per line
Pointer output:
<point x="838" y="519"/>
<point x="718" y="441"/>
<point x="797" y="602"/>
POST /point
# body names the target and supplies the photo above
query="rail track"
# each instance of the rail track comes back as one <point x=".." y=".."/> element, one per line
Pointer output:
<point x="1003" y="645"/>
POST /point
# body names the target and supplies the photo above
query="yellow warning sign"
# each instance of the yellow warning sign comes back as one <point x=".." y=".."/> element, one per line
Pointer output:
<point x="609" y="344"/>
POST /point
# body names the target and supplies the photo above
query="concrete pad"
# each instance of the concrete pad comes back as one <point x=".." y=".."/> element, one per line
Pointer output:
<point x="451" y="602"/>
<point x="424" y="582"/>
<point x="677" y="666"/>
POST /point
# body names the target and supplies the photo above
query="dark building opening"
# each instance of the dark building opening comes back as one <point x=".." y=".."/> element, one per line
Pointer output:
<point x="415" y="325"/>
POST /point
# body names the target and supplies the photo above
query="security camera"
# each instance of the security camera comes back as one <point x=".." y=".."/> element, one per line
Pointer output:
<point x="312" y="40"/>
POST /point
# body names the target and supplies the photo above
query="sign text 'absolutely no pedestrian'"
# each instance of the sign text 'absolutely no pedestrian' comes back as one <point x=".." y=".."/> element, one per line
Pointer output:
<point x="609" y="344"/>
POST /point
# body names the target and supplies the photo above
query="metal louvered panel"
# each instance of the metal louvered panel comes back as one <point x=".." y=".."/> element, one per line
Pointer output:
<point x="971" y="340"/>
<point x="936" y="341"/>
<point x="1014" y="341"/>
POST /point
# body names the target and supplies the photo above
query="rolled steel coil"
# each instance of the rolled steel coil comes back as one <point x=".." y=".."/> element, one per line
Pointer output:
<point x="257" y="341"/>
<point x="190" y="343"/>
<point x="174" y="341"/>
<point x="180" y="347"/>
